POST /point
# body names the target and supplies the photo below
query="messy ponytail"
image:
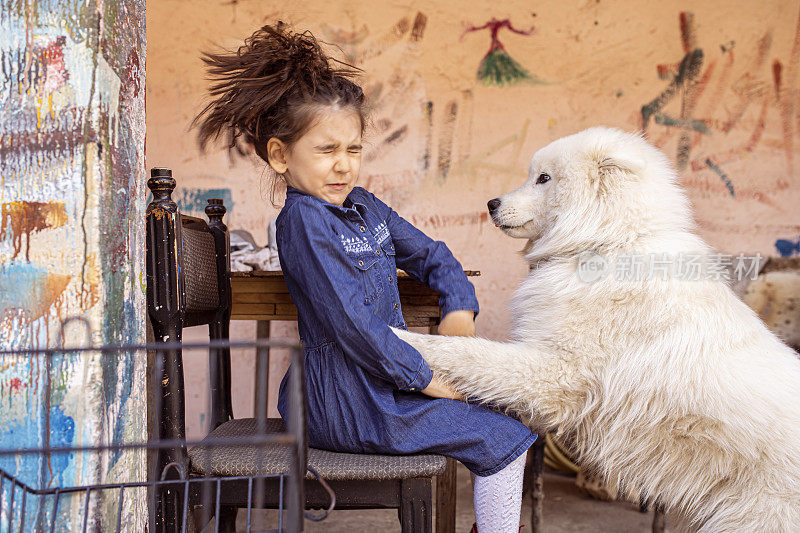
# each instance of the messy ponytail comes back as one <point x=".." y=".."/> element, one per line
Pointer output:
<point x="271" y="87"/>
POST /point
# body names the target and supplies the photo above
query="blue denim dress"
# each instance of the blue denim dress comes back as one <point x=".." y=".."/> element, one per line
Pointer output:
<point x="363" y="382"/>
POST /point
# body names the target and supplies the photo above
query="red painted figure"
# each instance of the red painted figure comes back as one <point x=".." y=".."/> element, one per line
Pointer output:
<point x="495" y="25"/>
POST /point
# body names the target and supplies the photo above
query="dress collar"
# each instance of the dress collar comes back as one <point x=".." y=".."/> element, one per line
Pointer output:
<point x="349" y="205"/>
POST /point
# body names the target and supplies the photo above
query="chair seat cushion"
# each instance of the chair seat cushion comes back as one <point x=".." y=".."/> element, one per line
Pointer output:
<point x="248" y="460"/>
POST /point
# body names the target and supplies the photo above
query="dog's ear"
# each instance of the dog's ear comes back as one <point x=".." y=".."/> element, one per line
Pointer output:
<point x="626" y="163"/>
<point x="616" y="168"/>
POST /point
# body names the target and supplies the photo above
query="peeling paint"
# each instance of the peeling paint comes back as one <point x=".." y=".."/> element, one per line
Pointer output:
<point x="71" y="190"/>
<point x="18" y="219"/>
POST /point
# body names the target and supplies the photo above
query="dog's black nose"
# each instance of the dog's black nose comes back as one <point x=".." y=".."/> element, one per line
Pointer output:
<point x="493" y="204"/>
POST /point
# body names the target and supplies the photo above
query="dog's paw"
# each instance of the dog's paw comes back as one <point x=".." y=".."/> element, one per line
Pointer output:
<point x="414" y="339"/>
<point x="404" y="334"/>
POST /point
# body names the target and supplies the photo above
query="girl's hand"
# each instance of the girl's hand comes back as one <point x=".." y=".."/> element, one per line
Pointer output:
<point x="437" y="389"/>
<point x="459" y="323"/>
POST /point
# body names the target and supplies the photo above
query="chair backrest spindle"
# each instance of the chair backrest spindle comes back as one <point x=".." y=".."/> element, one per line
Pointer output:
<point x="188" y="284"/>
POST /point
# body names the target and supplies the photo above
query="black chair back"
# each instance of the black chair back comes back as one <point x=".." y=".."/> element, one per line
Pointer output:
<point x="189" y="284"/>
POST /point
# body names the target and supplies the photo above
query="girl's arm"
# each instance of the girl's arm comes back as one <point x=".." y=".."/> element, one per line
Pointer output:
<point x="312" y="256"/>
<point x="431" y="262"/>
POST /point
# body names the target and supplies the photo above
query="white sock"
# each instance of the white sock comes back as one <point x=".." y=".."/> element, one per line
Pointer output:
<point x="498" y="498"/>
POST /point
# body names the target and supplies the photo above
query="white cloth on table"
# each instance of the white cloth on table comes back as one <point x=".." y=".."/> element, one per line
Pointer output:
<point x="247" y="256"/>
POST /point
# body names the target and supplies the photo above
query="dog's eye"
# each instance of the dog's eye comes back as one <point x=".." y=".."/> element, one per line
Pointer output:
<point x="543" y="178"/>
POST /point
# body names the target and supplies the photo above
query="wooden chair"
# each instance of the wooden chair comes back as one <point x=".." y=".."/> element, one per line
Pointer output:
<point x="360" y="481"/>
<point x="188" y="284"/>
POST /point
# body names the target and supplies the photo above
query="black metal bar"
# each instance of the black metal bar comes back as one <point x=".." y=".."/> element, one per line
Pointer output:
<point x="296" y="425"/>
<point x="185" y="507"/>
<point x="22" y="516"/>
<point x="280" y="504"/>
<point x="185" y="483"/>
<point x="260" y="409"/>
<point x="55" y="512"/>
<point x="128" y="484"/>
<point x="86" y="509"/>
<point x="172" y="345"/>
<point x="205" y="498"/>
<point x="119" y="509"/>
<point x="11" y="506"/>
<point x="216" y="507"/>
<point x="269" y="438"/>
<point x="154" y="510"/>
<point x="178" y="488"/>
<point x="47" y="363"/>
<point x="249" y="502"/>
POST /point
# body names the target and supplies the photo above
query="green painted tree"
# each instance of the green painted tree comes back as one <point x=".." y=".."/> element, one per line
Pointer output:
<point x="497" y="66"/>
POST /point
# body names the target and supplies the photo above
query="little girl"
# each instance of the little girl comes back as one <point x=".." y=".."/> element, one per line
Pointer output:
<point x="339" y="248"/>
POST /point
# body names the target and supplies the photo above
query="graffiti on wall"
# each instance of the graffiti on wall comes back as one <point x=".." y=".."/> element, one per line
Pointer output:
<point x="72" y="161"/>
<point x="707" y="97"/>
<point x="713" y="108"/>
<point x="387" y="96"/>
<point x="439" y="133"/>
<point x="725" y="108"/>
<point x="497" y="67"/>
<point x="392" y="98"/>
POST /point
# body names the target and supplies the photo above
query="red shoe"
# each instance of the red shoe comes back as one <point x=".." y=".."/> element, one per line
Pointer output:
<point x="475" y="528"/>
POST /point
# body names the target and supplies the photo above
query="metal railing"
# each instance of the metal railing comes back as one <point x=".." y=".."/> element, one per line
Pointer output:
<point x="173" y="495"/>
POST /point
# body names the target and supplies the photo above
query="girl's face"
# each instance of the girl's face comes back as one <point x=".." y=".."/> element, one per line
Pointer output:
<point x="326" y="160"/>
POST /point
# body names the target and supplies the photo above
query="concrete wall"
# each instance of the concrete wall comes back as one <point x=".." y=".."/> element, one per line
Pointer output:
<point x="72" y="244"/>
<point x="712" y="83"/>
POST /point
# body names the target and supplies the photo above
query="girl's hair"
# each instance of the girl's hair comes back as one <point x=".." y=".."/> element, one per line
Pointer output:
<point x="273" y="86"/>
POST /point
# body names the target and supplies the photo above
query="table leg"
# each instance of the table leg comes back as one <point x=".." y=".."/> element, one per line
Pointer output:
<point x="446" y="498"/>
<point x="537" y="483"/>
<point x="445" y="488"/>
<point x="659" y="520"/>
<point x="261" y="399"/>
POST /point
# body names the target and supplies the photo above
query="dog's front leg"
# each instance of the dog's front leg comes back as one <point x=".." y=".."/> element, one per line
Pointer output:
<point x="516" y="375"/>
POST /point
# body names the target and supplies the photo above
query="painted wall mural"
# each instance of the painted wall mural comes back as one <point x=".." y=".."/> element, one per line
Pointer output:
<point x="729" y="107"/>
<point x="72" y="244"/>
<point x="497" y="67"/>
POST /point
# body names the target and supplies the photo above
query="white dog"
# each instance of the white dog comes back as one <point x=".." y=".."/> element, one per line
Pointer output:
<point x="674" y="388"/>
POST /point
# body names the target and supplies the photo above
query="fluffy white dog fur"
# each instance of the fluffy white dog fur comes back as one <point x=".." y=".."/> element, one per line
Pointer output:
<point x="674" y="388"/>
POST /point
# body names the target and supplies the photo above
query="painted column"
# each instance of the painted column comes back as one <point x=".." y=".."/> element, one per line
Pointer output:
<point x="72" y="199"/>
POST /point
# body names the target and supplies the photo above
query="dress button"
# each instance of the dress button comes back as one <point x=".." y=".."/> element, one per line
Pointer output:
<point x="390" y="278"/>
<point x="362" y="228"/>
<point x="360" y="263"/>
<point x="396" y="307"/>
<point x="378" y="252"/>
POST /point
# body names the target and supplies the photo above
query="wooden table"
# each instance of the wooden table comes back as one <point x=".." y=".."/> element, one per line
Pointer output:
<point x="263" y="296"/>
